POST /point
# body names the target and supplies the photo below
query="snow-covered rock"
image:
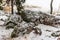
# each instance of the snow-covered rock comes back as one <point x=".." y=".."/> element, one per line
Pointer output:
<point x="3" y="17"/>
<point x="1" y="23"/>
<point x="46" y="35"/>
<point x="1" y="12"/>
<point x="5" y="34"/>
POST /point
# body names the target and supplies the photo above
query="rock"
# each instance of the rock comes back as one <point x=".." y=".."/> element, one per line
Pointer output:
<point x="41" y="17"/>
<point x="48" y="30"/>
<point x="37" y="30"/>
<point x="17" y="32"/>
<point x="10" y="24"/>
<point x="31" y="24"/>
<point x="13" y="21"/>
<point x="22" y="30"/>
<point x="15" y="18"/>
<point x="1" y="23"/>
<point x="3" y="17"/>
<point x="21" y="27"/>
<point x="1" y="12"/>
<point x="23" y="24"/>
<point x="36" y="18"/>
<point x="56" y="34"/>
<point x="58" y="39"/>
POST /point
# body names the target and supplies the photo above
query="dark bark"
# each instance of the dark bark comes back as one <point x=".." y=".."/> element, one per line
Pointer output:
<point x="21" y="10"/>
<point x="1" y="8"/>
<point x="12" y="6"/>
<point x="8" y="1"/>
<point x="0" y="1"/>
<point x="51" y="7"/>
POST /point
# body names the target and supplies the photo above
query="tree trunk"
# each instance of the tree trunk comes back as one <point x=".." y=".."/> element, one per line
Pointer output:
<point x="21" y="10"/>
<point x="12" y="6"/>
<point x="51" y="7"/>
<point x="0" y="1"/>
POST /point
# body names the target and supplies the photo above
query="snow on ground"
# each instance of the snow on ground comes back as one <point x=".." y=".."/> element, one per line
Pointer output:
<point x="46" y="35"/>
<point x="44" y="4"/>
<point x="4" y="34"/>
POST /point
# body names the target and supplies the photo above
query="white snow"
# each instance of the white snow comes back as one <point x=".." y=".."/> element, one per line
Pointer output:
<point x="46" y="35"/>
<point x="3" y="17"/>
<point x="44" y="4"/>
<point x="4" y="34"/>
<point x="1" y="23"/>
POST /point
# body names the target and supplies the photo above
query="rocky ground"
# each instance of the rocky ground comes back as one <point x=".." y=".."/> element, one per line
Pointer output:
<point x="49" y="32"/>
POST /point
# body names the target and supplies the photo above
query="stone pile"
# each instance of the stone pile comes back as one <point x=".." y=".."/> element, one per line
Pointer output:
<point x="21" y="27"/>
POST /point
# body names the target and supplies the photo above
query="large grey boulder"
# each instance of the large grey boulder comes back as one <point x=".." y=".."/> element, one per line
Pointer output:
<point x="56" y="34"/>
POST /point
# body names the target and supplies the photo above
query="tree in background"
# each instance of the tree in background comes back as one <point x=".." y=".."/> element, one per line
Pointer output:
<point x="1" y="8"/>
<point x="51" y="6"/>
<point x="3" y="4"/>
<point x="20" y="9"/>
<point x="12" y="6"/>
<point x="0" y="1"/>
